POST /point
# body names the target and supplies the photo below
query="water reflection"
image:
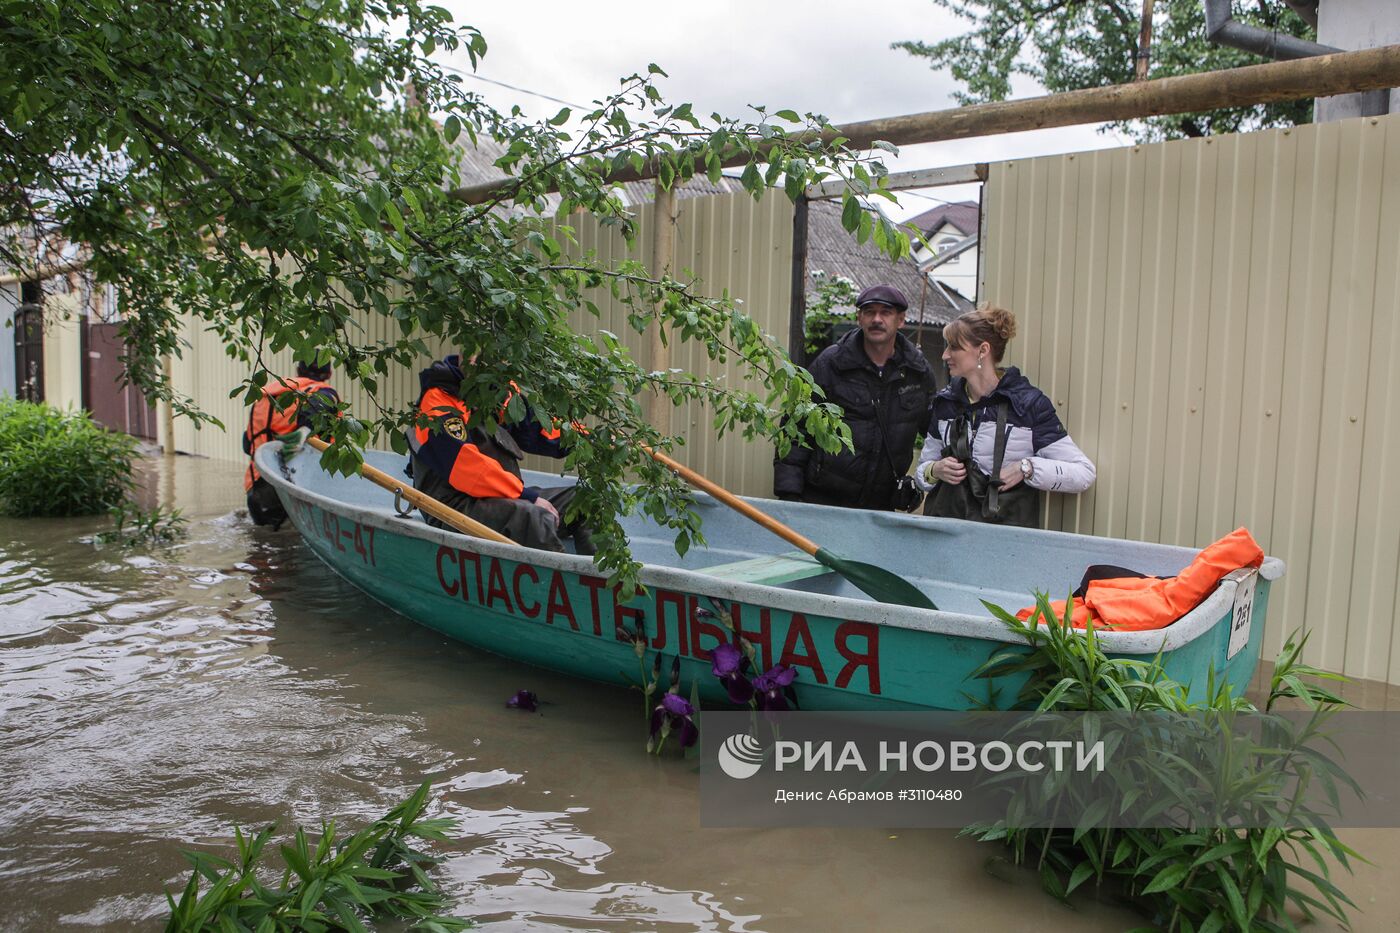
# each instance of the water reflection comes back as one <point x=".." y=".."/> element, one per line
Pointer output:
<point x="148" y="701"/>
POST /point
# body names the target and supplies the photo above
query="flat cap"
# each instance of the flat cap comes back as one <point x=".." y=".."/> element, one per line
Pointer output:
<point x="884" y="294"/>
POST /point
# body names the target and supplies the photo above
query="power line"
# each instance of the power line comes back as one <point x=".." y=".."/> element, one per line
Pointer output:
<point x="522" y="90"/>
<point x="929" y="197"/>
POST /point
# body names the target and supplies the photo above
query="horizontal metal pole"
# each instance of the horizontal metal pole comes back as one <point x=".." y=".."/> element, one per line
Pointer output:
<point x="900" y="181"/>
<point x="1321" y="76"/>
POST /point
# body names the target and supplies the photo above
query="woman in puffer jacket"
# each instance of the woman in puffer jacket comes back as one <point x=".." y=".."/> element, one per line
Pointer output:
<point x="994" y="442"/>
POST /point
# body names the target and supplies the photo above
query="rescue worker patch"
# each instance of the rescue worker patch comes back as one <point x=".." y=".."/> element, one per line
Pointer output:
<point x="456" y="428"/>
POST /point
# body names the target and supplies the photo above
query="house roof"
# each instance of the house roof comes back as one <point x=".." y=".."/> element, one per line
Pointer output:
<point x="643" y="192"/>
<point x="962" y="216"/>
<point x="834" y="251"/>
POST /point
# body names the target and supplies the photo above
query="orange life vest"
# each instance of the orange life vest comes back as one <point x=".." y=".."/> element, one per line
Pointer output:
<point x="265" y="422"/>
<point x="1134" y="604"/>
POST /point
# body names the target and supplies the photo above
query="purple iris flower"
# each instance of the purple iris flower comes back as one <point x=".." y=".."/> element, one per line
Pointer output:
<point x="728" y="663"/>
<point x="674" y="712"/>
<point x="771" y="687"/>
<point x="524" y="700"/>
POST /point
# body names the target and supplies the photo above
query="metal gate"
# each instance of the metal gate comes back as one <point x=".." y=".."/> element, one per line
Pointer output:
<point x="113" y="404"/>
<point x="29" y="352"/>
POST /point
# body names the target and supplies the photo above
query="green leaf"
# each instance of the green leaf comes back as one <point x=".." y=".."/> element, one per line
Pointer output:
<point x="1082" y="872"/>
<point x="306" y="224"/>
<point x="1213" y="923"/>
<point x="714" y="167"/>
<point x="515" y="408"/>
<point x="411" y="199"/>
<point x="751" y="179"/>
<point x="451" y="128"/>
<point x="850" y="213"/>
<point x="395" y="217"/>
<point x="1232" y="895"/>
<point x="1167" y="878"/>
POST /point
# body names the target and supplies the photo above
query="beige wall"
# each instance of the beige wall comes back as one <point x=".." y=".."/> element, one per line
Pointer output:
<point x="1217" y="322"/>
<point x="728" y="242"/>
<point x="63" y="379"/>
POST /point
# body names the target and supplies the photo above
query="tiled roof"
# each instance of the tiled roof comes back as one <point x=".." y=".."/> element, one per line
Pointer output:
<point x="962" y="216"/>
<point x="834" y="251"/>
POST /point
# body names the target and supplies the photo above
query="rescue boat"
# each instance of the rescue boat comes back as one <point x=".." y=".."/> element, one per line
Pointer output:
<point x="556" y="610"/>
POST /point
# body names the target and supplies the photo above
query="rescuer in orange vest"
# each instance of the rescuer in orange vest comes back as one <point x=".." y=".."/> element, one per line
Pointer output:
<point x="267" y="421"/>
<point x="477" y="471"/>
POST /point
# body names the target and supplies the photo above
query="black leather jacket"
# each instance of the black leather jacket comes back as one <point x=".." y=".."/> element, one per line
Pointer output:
<point x="885" y="409"/>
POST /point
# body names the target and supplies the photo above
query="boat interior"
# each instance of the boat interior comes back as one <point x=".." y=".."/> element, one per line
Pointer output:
<point x="957" y="564"/>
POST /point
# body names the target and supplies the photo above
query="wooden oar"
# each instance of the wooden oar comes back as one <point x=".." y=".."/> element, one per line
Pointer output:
<point x="467" y="526"/>
<point x="876" y="582"/>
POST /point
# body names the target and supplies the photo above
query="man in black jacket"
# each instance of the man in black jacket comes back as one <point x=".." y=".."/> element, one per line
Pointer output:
<point x="884" y="386"/>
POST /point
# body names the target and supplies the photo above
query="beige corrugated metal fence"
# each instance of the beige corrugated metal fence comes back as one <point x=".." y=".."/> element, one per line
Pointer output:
<point x="729" y="242"/>
<point x="1217" y="321"/>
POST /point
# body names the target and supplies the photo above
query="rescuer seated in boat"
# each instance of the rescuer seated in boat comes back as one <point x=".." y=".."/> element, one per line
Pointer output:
<point x="883" y="385"/>
<point x="477" y="472"/>
<point x="266" y="422"/>
<point x="994" y="442"/>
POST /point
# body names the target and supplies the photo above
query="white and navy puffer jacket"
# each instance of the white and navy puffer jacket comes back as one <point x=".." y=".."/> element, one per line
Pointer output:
<point x="1034" y="432"/>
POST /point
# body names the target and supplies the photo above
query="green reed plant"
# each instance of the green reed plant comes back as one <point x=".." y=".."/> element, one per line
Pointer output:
<point x="1197" y="878"/>
<point x="55" y="463"/>
<point x="374" y="875"/>
<point x="134" y="525"/>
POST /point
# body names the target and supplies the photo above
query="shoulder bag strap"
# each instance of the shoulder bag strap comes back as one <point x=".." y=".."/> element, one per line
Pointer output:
<point x="994" y="481"/>
<point x="884" y="438"/>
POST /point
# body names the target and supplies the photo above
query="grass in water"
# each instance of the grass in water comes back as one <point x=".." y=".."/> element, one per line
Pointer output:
<point x="374" y="875"/>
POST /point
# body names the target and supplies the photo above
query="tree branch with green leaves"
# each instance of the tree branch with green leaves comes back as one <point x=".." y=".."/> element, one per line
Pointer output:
<point x="1067" y="45"/>
<point x="280" y="173"/>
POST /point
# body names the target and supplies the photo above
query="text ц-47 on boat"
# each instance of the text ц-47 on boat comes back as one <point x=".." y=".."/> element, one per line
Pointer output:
<point x="556" y="611"/>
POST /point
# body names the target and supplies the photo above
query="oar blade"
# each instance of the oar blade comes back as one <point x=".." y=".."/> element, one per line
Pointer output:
<point x="877" y="582"/>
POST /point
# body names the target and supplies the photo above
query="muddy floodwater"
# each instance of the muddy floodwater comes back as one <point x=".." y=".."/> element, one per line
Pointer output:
<point x="152" y="699"/>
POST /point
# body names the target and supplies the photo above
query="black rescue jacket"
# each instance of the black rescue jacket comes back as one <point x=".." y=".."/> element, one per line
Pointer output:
<point x="885" y="409"/>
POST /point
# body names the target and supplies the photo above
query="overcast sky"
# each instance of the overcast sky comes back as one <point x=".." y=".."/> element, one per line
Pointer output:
<point x="722" y="55"/>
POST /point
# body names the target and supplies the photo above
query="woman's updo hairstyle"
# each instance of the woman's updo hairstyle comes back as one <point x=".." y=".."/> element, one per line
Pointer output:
<point x="988" y="324"/>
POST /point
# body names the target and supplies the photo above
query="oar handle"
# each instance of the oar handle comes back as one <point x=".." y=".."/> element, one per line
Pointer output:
<point x="467" y="526"/>
<point x="734" y="502"/>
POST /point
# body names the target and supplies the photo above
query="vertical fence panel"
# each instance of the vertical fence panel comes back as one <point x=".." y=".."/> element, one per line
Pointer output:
<point x="1376" y="586"/>
<point x="1151" y="372"/>
<point x="1081" y="413"/>
<point x="1060" y="334"/>
<point x="1239" y="295"/>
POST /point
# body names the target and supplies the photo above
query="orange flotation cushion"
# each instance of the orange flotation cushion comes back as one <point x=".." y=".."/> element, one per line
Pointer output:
<point x="1136" y="604"/>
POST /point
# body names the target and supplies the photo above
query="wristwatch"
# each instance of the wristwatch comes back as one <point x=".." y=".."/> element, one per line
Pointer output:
<point x="1027" y="468"/>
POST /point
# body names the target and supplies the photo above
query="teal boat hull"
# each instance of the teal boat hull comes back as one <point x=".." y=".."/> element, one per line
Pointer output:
<point x="556" y="611"/>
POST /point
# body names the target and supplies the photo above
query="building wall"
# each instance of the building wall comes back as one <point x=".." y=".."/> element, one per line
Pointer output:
<point x="727" y="241"/>
<point x="9" y="301"/>
<point x="960" y="272"/>
<point x="63" y="377"/>
<point x="1217" y="322"/>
